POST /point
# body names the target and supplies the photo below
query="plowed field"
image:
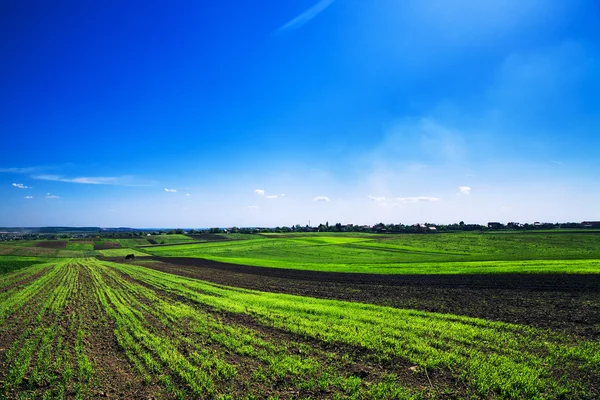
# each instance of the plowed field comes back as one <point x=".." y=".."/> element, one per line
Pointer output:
<point x="85" y="328"/>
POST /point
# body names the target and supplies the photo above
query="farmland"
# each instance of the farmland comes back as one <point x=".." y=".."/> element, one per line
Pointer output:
<point x="288" y="316"/>
<point x="402" y="254"/>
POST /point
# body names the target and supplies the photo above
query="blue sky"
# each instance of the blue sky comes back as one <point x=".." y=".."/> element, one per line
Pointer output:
<point x="276" y="113"/>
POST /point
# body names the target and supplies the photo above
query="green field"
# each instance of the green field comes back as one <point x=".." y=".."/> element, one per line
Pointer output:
<point x="168" y="239"/>
<point x="133" y="242"/>
<point x="12" y="263"/>
<point x="75" y="325"/>
<point x="77" y="245"/>
<point x="79" y="327"/>
<point x="406" y="253"/>
<point x="120" y="252"/>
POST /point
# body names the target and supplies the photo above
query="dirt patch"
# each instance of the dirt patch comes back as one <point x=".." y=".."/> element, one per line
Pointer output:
<point x="107" y="246"/>
<point x="114" y="376"/>
<point x="347" y="359"/>
<point x="565" y="302"/>
<point x="51" y="244"/>
<point x="210" y="237"/>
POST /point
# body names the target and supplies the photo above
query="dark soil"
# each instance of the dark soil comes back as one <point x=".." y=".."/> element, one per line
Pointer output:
<point x="564" y="302"/>
<point x="107" y="245"/>
<point x="350" y="360"/>
<point x="209" y="237"/>
<point x="55" y="244"/>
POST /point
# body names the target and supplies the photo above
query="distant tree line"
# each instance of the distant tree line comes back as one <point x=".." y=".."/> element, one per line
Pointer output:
<point x="425" y="228"/>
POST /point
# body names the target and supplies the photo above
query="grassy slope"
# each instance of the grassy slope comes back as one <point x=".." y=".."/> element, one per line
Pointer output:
<point x="440" y="253"/>
<point x="12" y="263"/>
<point x="283" y="345"/>
<point x="167" y="239"/>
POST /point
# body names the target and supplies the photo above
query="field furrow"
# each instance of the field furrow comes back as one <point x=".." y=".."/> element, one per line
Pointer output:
<point x="84" y="328"/>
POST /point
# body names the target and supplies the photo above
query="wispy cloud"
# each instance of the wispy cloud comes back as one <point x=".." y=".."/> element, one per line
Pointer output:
<point x="321" y="198"/>
<point x="305" y="17"/>
<point x="187" y="194"/>
<point x="95" y="180"/>
<point x="373" y="198"/>
<point x="397" y="201"/>
<point x="420" y="199"/>
<point x="18" y="170"/>
<point x="51" y="196"/>
<point x="252" y="207"/>
<point x="20" y="186"/>
<point x="28" y="197"/>
<point x="171" y="190"/>
<point x="261" y="192"/>
<point x="465" y="190"/>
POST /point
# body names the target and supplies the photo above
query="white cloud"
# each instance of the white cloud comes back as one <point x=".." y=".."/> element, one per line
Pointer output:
<point x="259" y="192"/>
<point x="305" y="16"/>
<point x="422" y="140"/>
<point x="17" y="170"/>
<point x="373" y="198"/>
<point x="20" y="186"/>
<point x="29" y="197"/>
<point x="171" y="190"/>
<point x="321" y="198"/>
<point x="274" y="196"/>
<point x="51" y="196"/>
<point x="95" y="180"/>
<point x="466" y="190"/>
<point x="252" y="207"/>
<point x="419" y="199"/>
<point x="187" y="194"/>
<point x="398" y="201"/>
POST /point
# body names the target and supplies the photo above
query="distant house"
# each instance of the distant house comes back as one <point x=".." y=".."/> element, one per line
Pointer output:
<point x="590" y="224"/>
<point x="514" y="225"/>
<point x="495" y="225"/>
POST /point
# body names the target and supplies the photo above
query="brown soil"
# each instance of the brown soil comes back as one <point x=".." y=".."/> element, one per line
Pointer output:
<point x="349" y="360"/>
<point x="58" y="244"/>
<point x="209" y="237"/>
<point x="107" y="245"/>
<point x="564" y="302"/>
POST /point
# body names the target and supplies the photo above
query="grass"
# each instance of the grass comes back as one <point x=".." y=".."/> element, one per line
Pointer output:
<point x="185" y="338"/>
<point x="133" y="242"/>
<point x="168" y="239"/>
<point x="407" y="253"/>
<point x="12" y="263"/>
<point x="79" y="246"/>
<point x="492" y="357"/>
<point x="121" y="252"/>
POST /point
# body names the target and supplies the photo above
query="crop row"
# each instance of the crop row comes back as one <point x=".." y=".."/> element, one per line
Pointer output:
<point x="492" y="358"/>
<point x="185" y="338"/>
<point x="46" y="358"/>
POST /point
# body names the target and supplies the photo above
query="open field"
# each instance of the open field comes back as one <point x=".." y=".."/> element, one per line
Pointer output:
<point x="402" y="254"/>
<point x="87" y="328"/>
<point x="573" y="300"/>
<point x="168" y="239"/>
<point x="9" y="264"/>
<point x="428" y="316"/>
